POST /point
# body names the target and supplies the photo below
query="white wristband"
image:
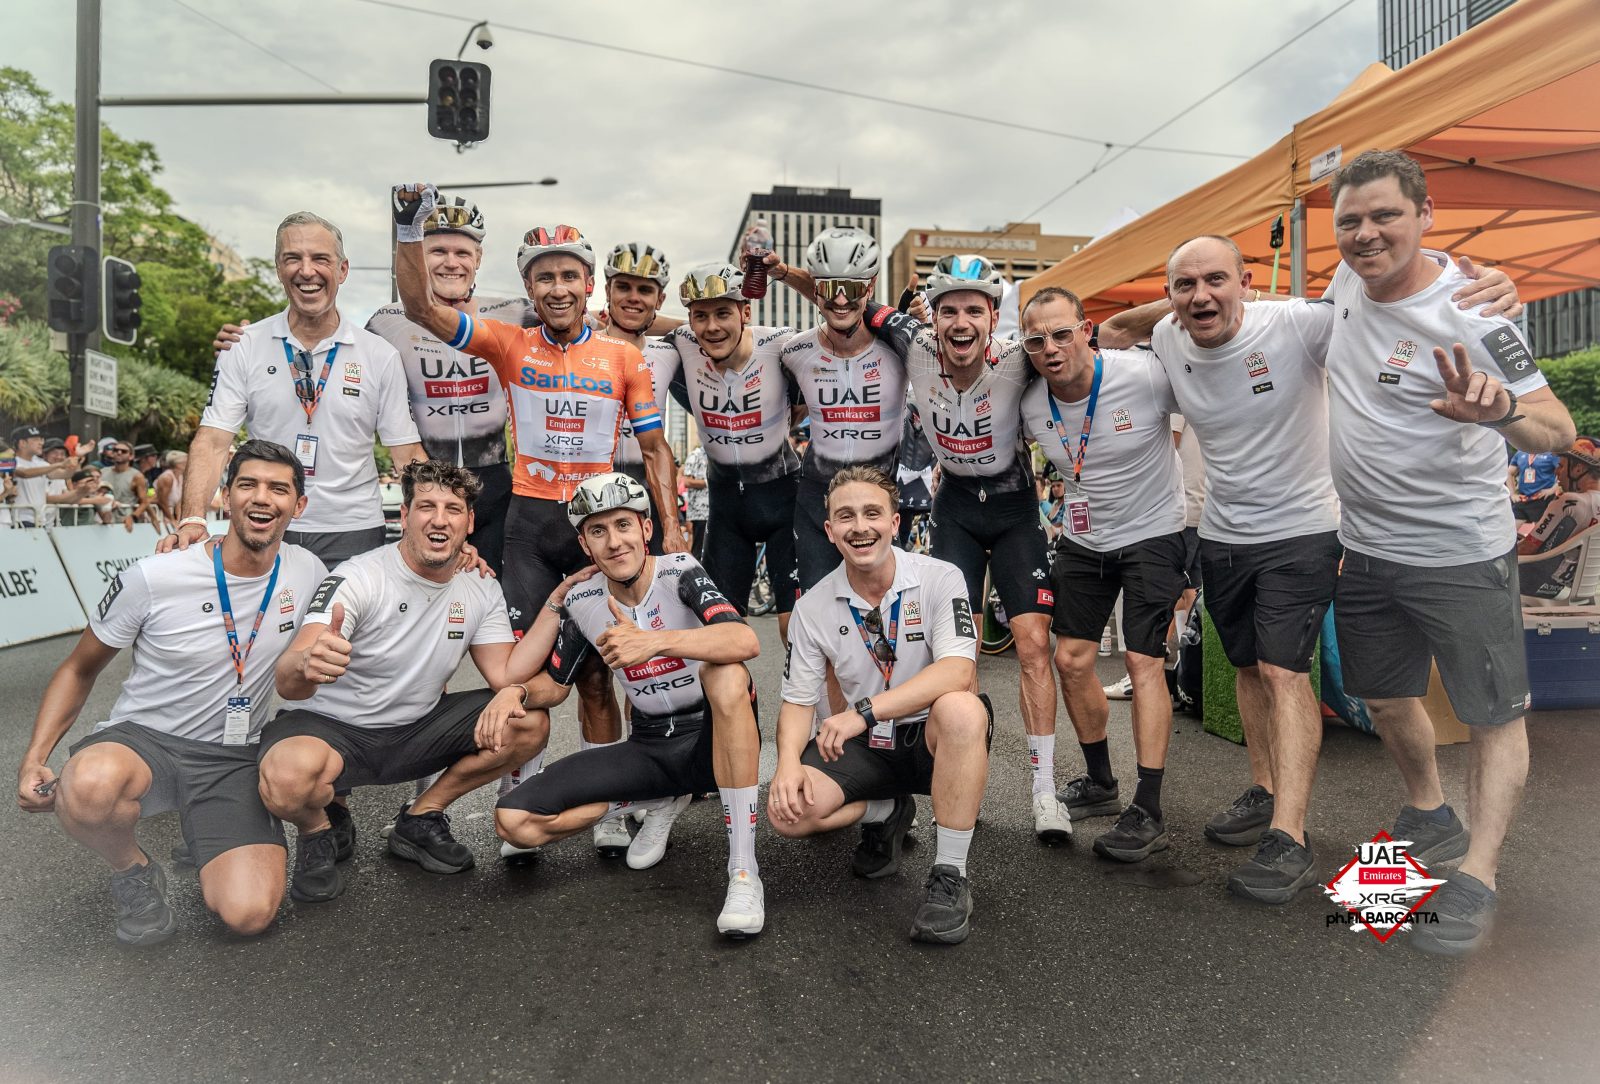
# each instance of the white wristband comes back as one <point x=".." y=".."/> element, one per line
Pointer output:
<point x="199" y="521"/>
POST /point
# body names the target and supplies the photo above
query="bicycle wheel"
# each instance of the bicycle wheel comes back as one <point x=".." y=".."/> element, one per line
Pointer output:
<point x="762" y="600"/>
<point x="997" y="638"/>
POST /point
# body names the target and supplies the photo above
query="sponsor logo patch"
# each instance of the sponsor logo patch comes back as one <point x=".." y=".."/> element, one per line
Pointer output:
<point x="286" y="601"/>
<point x="455" y="389"/>
<point x="324" y="595"/>
<point x="563" y="425"/>
<point x="832" y="415"/>
<point x="352" y="372"/>
<point x="1121" y="420"/>
<point x="1256" y="364"/>
<point x="287" y="626"/>
<point x="455" y="634"/>
<point x="110" y="596"/>
<point x="1388" y="378"/>
<point x="354" y="393"/>
<point x="1404" y="351"/>
<point x="733" y="423"/>
<point x="1047" y="597"/>
<point x="653" y="668"/>
<point x="1257" y="389"/>
<point x="967" y="447"/>
<point x="961" y="610"/>
<point x="1510" y="353"/>
<point x="458" y="613"/>
<point x="913" y="637"/>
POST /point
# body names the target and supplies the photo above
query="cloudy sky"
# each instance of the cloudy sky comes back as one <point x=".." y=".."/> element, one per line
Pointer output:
<point x="669" y="152"/>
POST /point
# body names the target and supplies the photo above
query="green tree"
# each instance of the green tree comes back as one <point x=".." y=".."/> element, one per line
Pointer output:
<point x="184" y="298"/>
<point x="1576" y="381"/>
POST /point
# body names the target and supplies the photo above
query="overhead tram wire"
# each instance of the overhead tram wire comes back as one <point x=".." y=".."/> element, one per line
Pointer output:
<point x="225" y="28"/>
<point x="1103" y="161"/>
<point x="785" y="81"/>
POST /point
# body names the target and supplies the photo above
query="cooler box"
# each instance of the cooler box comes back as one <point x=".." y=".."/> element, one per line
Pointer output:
<point x="1563" y="645"/>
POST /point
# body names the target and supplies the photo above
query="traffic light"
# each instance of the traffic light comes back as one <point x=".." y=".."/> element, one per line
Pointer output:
<point x="70" y="290"/>
<point x="458" y="101"/>
<point x="121" y="295"/>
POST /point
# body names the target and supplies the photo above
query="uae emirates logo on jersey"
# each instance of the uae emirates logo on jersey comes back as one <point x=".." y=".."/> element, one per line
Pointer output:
<point x="652" y="669"/>
<point x="286" y="601"/>
<point x="1256" y="364"/>
<point x="913" y="613"/>
<point x="1404" y="351"/>
<point x="458" y="613"/>
<point x="1121" y="421"/>
<point x="352" y="372"/>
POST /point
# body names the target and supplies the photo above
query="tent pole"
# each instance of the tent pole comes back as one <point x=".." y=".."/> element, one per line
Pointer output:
<point x="1297" y="248"/>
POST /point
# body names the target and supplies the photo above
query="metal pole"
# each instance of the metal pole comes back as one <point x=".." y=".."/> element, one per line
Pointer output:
<point x="86" y="202"/>
<point x="1297" y="248"/>
<point x="264" y="99"/>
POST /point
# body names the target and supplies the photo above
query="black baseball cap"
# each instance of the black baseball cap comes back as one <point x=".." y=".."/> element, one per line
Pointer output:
<point x="142" y="450"/>
<point x="52" y="443"/>
<point x="24" y="432"/>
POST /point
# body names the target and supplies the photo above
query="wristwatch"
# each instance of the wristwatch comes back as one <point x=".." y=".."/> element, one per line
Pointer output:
<point x="864" y="709"/>
<point x="1511" y="414"/>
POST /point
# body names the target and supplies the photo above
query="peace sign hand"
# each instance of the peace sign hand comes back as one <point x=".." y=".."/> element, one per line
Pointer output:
<point x="1470" y="397"/>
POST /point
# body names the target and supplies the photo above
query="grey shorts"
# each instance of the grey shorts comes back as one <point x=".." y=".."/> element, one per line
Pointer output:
<point x="214" y="788"/>
<point x="1394" y="619"/>
<point x="332" y="547"/>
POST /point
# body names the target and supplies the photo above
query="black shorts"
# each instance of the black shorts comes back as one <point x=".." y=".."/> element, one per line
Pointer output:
<point x="654" y="762"/>
<point x="332" y="547"/>
<point x="489" y="514"/>
<point x="1191" y="538"/>
<point x="376" y="755"/>
<point x="1393" y="620"/>
<point x="814" y="555"/>
<point x="657" y="536"/>
<point x="1000" y="535"/>
<point x="865" y="773"/>
<point x="1149" y="575"/>
<point x="215" y="788"/>
<point x="1268" y="599"/>
<point x="541" y="550"/>
<point x="742" y="520"/>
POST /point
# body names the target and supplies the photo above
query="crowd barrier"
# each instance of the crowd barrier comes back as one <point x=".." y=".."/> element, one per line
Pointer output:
<point x="51" y="579"/>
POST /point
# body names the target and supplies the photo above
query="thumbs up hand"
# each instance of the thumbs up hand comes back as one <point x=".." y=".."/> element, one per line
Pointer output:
<point x="624" y="643"/>
<point x="329" y="654"/>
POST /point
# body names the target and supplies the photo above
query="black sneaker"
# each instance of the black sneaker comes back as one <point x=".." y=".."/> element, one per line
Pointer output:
<point x="1432" y="842"/>
<point x="878" y="853"/>
<point x="1465" y="906"/>
<point x="1084" y="798"/>
<point x="140" y="897"/>
<point x="426" y="840"/>
<point x="945" y="916"/>
<point x="316" y="870"/>
<point x="1280" y="868"/>
<point x="1244" y="822"/>
<point x="1137" y="836"/>
<point x="344" y="831"/>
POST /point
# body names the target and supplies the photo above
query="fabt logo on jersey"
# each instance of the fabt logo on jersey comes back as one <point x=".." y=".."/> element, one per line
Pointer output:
<point x="1404" y="351"/>
<point x="981" y="404"/>
<point x="1256" y="364"/>
<point x="752" y="381"/>
<point x="871" y="371"/>
<point x="1121" y="420"/>
<point x="458" y="613"/>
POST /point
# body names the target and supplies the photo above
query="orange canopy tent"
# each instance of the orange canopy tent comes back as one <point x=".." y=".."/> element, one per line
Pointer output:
<point x="1505" y="119"/>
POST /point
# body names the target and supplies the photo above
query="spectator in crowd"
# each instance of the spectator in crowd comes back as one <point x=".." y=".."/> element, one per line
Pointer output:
<point x="130" y="488"/>
<point x="697" y="500"/>
<point x="1533" y="483"/>
<point x="32" y="475"/>
<point x="1053" y="508"/>
<point x="1576" y="510"/>
<point x="147" y="460"/>
<point x="169" y="486"/>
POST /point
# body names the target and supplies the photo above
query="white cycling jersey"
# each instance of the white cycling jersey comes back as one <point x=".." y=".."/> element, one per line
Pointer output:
<point x="976" y="433"/>
<point x="663" y="361"/>
<point x="457" y="399"/>
<point x="856" y="405"/>
<point x="743" y="414"/>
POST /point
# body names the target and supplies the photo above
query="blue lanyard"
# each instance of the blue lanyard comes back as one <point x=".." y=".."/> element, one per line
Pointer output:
<point x="327" y="367"/>
<point x="1088" y="422"/>
<point x="890" y="634"/>
<point x="240" y="658"/>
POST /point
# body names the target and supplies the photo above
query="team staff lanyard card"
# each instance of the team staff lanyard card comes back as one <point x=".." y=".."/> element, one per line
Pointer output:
<point x="305" y="445"/>
<point x="882" y="653"/>
<point x="1078" y="503"/>
<point x="236" y="721"/>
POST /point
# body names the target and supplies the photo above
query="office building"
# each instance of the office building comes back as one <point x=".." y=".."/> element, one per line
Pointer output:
<point x="795" y="216"/>
<point x="1020" y="251"/>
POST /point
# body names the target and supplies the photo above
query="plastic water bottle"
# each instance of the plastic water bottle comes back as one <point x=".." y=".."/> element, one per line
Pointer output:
<point x="757" y="243"/>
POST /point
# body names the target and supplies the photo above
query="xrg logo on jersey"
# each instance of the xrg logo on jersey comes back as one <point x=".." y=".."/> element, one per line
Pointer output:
<point x="729" y="417"/>
<point x="657" y="676"/>
<point x="843" y="410"/>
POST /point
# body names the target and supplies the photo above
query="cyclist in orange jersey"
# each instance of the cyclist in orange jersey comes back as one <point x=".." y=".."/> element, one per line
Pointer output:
<point x="569" y="390"/>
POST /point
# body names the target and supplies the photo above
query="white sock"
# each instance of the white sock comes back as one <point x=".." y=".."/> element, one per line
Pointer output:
<point x="1042" y="757"/>
<point x="739" y="813"/>
<point x="952" y="847"/>
<point x="515" y="778"/>
<point x="585" y="743"/>
<point x="878" y="811"/>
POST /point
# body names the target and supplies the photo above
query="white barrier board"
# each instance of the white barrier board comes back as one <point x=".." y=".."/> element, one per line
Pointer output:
<point x="36" y="598"/>
<point x="94" y="555"/>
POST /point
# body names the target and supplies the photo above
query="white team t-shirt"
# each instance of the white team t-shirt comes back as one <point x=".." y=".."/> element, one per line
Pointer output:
<point x="935" y="622"/>
<point x="1194" y="471"/>
<point x="1417" y="488"/>
<point x="29" y="504"/>
<point x="166" y="606"/>
<point x="1259" y="406"/>
<point x="407" y="636"/>
<point x="254" y="387"/>
<point x="1130" y="474"/>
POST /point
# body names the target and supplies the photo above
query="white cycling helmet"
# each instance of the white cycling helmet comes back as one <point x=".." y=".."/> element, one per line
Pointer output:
<point x="454" y="214"/>
<point x="605" y="493"/>
<point x="712" y="282"/>
<point x="953" y="273"/>
<point x="639" y="258"/>
<point x="842" y="252"/>
<point x="550" y="240"/>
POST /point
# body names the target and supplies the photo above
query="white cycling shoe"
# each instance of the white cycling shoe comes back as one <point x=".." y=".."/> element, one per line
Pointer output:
<point x="744" y="911"/>
<point x="650" y="845"/>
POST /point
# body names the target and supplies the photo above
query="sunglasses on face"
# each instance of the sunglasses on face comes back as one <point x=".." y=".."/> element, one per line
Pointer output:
<point x="852" y="289"/>
<point x="1061" y="336"/>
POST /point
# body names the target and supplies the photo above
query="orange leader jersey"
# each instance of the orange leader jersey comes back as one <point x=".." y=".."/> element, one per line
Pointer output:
<point x="567" y="402"/>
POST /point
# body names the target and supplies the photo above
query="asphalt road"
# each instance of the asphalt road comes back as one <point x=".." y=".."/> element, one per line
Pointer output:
<point x="574" y="968"/>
